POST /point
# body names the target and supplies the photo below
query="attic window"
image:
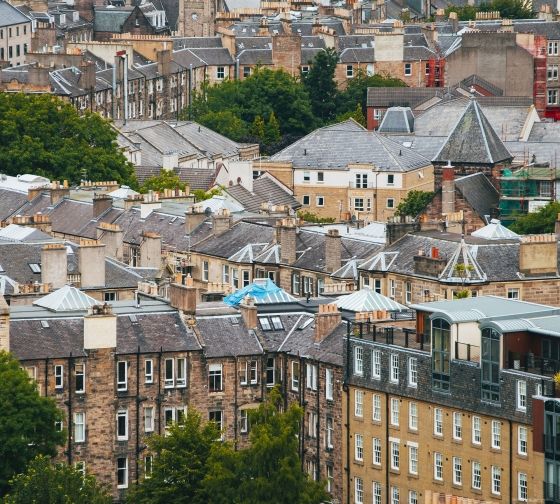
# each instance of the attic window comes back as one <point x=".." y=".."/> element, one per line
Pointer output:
<point x="305" y="324"/>
<point x="277" y="323"/>
<point x="36" y="268"/>
<point x="265" y="324"/>
<point x="44" y="324"/>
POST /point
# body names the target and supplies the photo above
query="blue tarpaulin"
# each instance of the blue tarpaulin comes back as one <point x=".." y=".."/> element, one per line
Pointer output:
<point x="263" y="290"/>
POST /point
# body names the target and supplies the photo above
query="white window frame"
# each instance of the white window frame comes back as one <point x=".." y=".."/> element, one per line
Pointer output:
<point x="457" y="426"/>
<point x="552" y="49"/>
<point x="413" y="458"/>
<point x="58" y="376"/>
<point x="438" y="422"/>
<point x="349" y="71"/>
<point x="395" y="411"/>
<point x="320" y="201"/>
<point x="476" y="472"/>
<point x="169" y="378"/>
<point x="413" y="416"/>
<point x="522" y="487"/>
<point x="496" y="435"/>
<point x="496" y="473"/>
<point x="358" y="490"/>
<point x="329" y="384"/>
<point x="149" y="419"/>
<point x="358" y="360"/>
<point x="376" y="364"/>
<point x="124" y="484"/>
<point x="213" y="370"/>
<point x="122" y="384"/>
<point x="243" y="421"/>
<point x="521" y="395"/>
<point x="205" y="271"/>
<point x="181" y="372"/>
<point x="359" y="403"/>
<point x="395" y="454"/>
<point x="311" y="376"/>
<point x="438" y="466"/>
<point x="476" y="430"/>
<point x="407" y="69"/>
<point x="412" y="497"/>
<point x="82" y="373"/>
<point x="149" y="371"/>
<point x="329" y="422"/>
<point x="295" y="380"/>
<point x="376" y="492"/>
<point x="522" y="440"/>
<point x="359" y="447"/>
<point x="220" y="73"/>
<point x="394" y="376"/>
<point x="376" y="408"/>
<point x="79" y="427"/>
<point x="457" y="471"/>
<point x="122" y="414"/>
<point x="395" y="495"/>
<point x="376" y="451"/>
<point x="413" y="372"/>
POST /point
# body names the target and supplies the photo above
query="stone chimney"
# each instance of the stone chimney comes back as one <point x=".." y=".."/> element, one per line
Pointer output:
<point x="100" y="328"/>
<point x="538" y="254"/>
<point x="57" y="191"/>
<point x="91" y="263"/>
<point x="333" y="250"/>
<point x="39" y="76"/>
<point x="248" y="311"/>
<point x="221" y="221"/>
<point x="54" y="265"/>
<point x="151" y="202"/>
<point x="150" y="250"/>
<point x="326" y="321"/>
<point x="193" y="219"/>
<point x="454" y="21"/>
<point x="111" y="235"/>
<point x="183" y="297"/>
<point x="448" y="189"/>
<point x="101" y="203"/>
<point x="33" y="192"/>
<point x="4" y="325"/>
<point x="164" y="61"/>
<point x="429" y="265"/>
<point x="87" y="80"/>
<point x="286" y="52"/>
<point x="287" y="228"/>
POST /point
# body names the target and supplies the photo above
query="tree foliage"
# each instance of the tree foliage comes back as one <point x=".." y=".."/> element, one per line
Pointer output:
<point x="27" y="422"/>
<point x="192" y="466"/>
<point x="312" y="217"/>
<point x="321" y="86"/>
<point x="538" y="222"/>
<point x="508" y="9"/>
<point x="43" y="135"/>
<point x="414" y="203"/>
<point x="45" y="483"/>
<point x="201" y="194"/>
<point x="167" y="179"/>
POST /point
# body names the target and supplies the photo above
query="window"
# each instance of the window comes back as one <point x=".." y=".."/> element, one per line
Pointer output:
<point x="376" y="451"/>
<point x="235" y="277"/>
<point x="395" y="495"/>
<point x="496" y="434"/>
<point x="295" y="375"/>
<point x="59" y="425"/>
<point x="522" y="440"/>
<point x="376" y="492"/>
<point x="394" y="368"/>
<point x="545" y="188"/>
<point x="169" y="417"/>
<point x="395" y="412"/>
<point x="58" y="376"/>
<point x="552" y="72"/>
<point x="80" y="467"/>
<point x="376" y="414"/>
<point x="522" y="493"/>
<point x="122" y="472"/>
<point x="181" y="380"/>
<point x="306" y="176"/>
<point x="413" y="416"/>
<point x="521" y="395"/>
<point x="149" y="371"/>
<point x="270" y="372"/>
<point x="412" y="372"/>
<point x="265" y="324"/>
<point x="359" y="204"/>
<point x="476" y="476"/>
<point x="148" y="466"/>
<point x="243" y="421"/>
<point x="553" y="48"/>
<point x="311" y="376"/>
<point x="330" y="432"/>
<point x="496" y="480"/>
<point x="457" y="426"/>
<point x="376" y="364"/>
<point x="246" y="278"/>
<point x="80" y="378"/>
<point x="438" y="466"/>
<point x="358" y="490"/>
<point x="349" y="71"/>
<point x="390" y="202"/>
<point x="220" y="72"/>
<point x="361" y="180"/>
<point x="320" y="176"/>
<point x="295" y="283"/>
<point x="392" y="288"/>
<point x="438" y="422"/>
<point x="358" y="360"/>
<point x="320" y="201"/>
<point x="377" y="285"/>
<point x="225" y="273"/>
<point x="513" y="293"/>
<point x="215" y="377"/>
<point x="216" y="417"/>
<point x="169" y="373"/>
<point x="359" y="403"/>
<point x="122" y="375"/>
<point x="305" y="69"/>
<point x="122" y="425"/>
<point x="330" y="478"/>
<point x="149" y="419"/>
<point x="390" y="179"/>
<point x="412" y="458"/>
<point x="457" y="471"/>
<point x="552" y="97"/>
<point x="305" y="200"/>
<point x="476" y="435"/>
<point x="205" y="271"/>
<point x="249" y="372"/>
<point x="441" y="336"/>
<point x="79" y="427"/>
<point x="329" y="385"/>
<point x="408" y="69"/>
<point x="412" y="497"/>
<point x="395" y="456"/>
<point x="359" y="447"/>
<point x="247" y="71"/>
<point x="109" y="296"/>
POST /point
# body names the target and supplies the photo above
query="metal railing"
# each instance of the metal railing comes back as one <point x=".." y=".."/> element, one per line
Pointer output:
<point x="466" y="351"/>
<point x="392" y="335"/>
<point x="531" y="363"/>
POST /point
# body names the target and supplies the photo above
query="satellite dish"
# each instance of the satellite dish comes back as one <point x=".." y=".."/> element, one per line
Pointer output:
<point x="208" y="211"/>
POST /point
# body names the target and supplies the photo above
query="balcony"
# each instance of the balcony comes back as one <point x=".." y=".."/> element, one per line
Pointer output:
<point x="534" y="364"/>
<point x="392" y="335"/>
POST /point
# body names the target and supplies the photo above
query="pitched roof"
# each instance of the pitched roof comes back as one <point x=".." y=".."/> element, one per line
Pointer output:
<point x="479" y="193"/>
<point x="265" y="190"/>
<point x="473" y="141"/>
<point x="366" y="300"/>
<point x="9" y="15"/>
<point x="397" y="120"/>
<point x="66" y="299"/>
<point x="495" y="231"/>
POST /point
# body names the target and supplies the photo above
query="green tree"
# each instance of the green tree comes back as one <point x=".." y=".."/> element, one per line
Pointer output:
<point x="45" y="483"/>
<point x="257" y="128"/>
<point x="167" y="179"/>
<point x="272" y="130"/>
<point x="355" y="114"/>
<point x="27" y="422"/>
<point x="414" y="203"/>
<point x="538" y="222"/>
<point x="508" y="9"/>
<point x="42" y="134"/>
<point x="321" y="86"/>
<point x="201" y="194"/>
<point x="312" y="217"/>
<point x="226" y="123"/>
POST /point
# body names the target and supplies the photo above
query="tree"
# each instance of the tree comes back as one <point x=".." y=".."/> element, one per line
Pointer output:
<point x="43" y="135"/>
<point x="356" y="114"/>
<point x="45" y="483"/>
<point x="27" y="422"/>
<point x="414" y="203"/>
<point x="201" y="194"/>
<point x="538" y="222"/>
<point x="257" y="128"/>
<point x="321" y="86"/>
<point x="508" y="9"/>
<point x="226" y="123"/>
<point x="179" y="463"/>
<point x="272" y="130"/>
<point x="167" y="179"/>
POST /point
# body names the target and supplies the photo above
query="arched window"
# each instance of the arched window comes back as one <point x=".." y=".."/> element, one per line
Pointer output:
<point x="441" y="342"/>
<point x="490" y="360"/>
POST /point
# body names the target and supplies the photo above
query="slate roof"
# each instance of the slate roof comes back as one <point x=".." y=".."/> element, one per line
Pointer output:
<point x="227" y="337"/>
<point x="357" y="55"/>
<point x="265" y="190"/>
<point x="255" y="57"/>
<point x="400" y="97"/>
<point x="196" y="42"/>
<point x="473" y="141"/>
<point x="9" y="15"/>
<point x="111" y="20"/>
<point x="335" y="147"/>
<point x="479" y="193"/>
<point x="10" y="201"/>
<point x="397" y="120"/>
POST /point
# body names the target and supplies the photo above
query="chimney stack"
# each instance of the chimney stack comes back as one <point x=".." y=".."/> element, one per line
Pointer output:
<point x="150" y="250"/>
<point x="4" y="325"/>
<point x="100" y="328"/>
<point x="249" y="312"/>
<point x="538" y="254"/>
<point x="333" y="250"/>
<point x="91" y="263"/>
<point x="87" y="80"/>
<point x="287" y="229"/>
<point x="221" y="221"/>
<point x="164" y="61"/>
<point x="183" y="297"/>
<point x="58" y="191"/>
<point x="193" y="219"/>
<point x="111" y="235"/>
<point x="326" y="321"/>
<point x="54" y="265"/>
<point x="101" y="203"/>
<point x="151" y="202"/>
<point x="448" y="189"/>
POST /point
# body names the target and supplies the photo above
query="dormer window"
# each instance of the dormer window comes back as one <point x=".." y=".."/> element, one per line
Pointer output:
<point x="441" y="342"/>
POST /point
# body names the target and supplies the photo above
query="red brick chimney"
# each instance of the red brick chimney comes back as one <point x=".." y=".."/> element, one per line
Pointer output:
<point x="326" y="321"/>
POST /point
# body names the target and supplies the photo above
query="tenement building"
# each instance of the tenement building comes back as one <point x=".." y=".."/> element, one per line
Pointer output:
<point x="460" y="410"/>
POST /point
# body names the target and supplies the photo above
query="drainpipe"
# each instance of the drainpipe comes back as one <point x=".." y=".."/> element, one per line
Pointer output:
<point x="235" y="405"/>
<point x="70" y="422"/>
<point x="159" y="399"/>
<point x="346" y="389"/>
<point x="137" y="413"/>
<point x="318" y="424"/>
<point x="46" y="376"/>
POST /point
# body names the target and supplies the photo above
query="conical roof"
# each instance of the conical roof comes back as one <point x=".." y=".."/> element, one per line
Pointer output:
<point x="65" y="299"/>
<point x="463" y="266"/>
<point x="495" y="231"/>
<point x="473" y="141"/>
<point x="366" y="300"/>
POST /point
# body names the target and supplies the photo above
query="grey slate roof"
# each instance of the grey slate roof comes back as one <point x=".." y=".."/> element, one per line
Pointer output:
<point x="473" y="141"/>
<point x="400" y="97"/>
<point x="265" y="190"/>
<point x="227" y="337"/>
<point x="357" y="55"/>
<point x="9" y="15"/>
<point x="397" y="120"/>
<point x="255" y="57"/>
<point x="479" y="193"/>
<point x="111" y="20"/>
<point x="10" y="201"/>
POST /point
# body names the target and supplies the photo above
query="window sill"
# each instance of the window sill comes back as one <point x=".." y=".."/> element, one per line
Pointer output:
<point x="437" y="482"/>
<point x="457" y="441"/>
<point x="476" y="445"/>
<point x="394" y="471"/>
